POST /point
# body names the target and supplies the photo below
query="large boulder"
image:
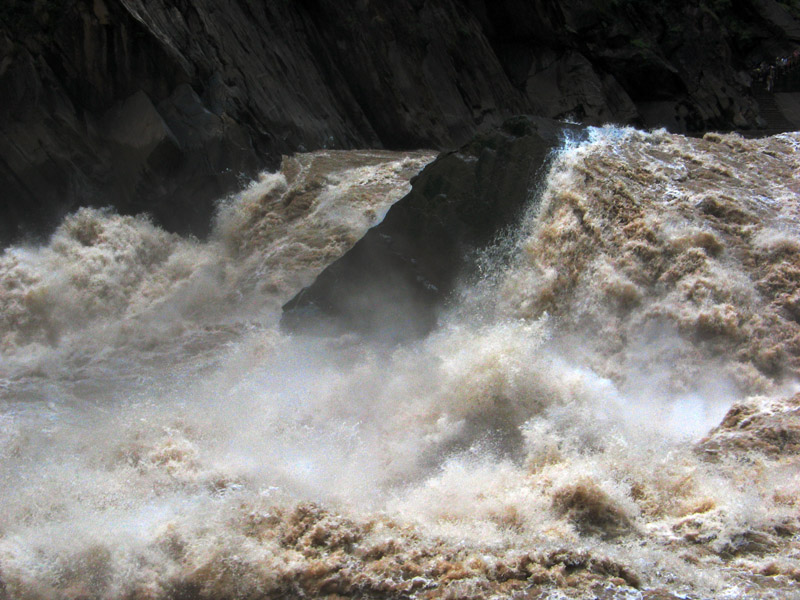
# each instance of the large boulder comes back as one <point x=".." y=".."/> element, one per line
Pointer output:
<point x="395" y="279"/>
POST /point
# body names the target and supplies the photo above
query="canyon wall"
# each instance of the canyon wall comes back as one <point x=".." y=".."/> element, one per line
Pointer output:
<point x="166" y="105"/>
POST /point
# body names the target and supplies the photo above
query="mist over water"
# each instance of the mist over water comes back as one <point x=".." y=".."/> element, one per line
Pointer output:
<point x="161" y="437"/>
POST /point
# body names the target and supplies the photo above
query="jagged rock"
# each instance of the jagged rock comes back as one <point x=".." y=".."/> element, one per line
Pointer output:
<point x="588" y="96"/>
<point x="394" y="279"/>
<point x="781" y="21"/>
<point x="90" y="100"/>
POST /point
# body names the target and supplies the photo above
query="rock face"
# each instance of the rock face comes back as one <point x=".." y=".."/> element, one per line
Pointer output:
<point x="97" y="111"/>
<point x="393" y="281"/>
<point x="163" y="105"/>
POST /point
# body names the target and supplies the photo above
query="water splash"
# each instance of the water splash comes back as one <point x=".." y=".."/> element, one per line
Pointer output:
<point x="160" y="437"/>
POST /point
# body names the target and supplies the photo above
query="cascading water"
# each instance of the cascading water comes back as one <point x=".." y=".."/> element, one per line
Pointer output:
<point x="161" y="438"/>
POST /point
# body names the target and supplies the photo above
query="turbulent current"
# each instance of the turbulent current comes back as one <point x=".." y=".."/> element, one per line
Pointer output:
<point x="608" y="407"/>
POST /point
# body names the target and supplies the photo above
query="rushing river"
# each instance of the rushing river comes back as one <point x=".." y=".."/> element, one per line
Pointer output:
<point x="554" y="437"/>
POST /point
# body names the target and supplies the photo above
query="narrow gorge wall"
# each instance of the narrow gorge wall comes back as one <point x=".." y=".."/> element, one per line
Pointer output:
<point x="164" y="106"/>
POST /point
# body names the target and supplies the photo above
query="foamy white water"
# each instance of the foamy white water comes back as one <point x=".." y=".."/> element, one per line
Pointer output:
<point x="160" y="438"/>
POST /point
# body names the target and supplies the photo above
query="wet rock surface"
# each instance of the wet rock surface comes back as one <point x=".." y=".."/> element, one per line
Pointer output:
<point x="396" y="277"/>
<point x="164" y="106"/>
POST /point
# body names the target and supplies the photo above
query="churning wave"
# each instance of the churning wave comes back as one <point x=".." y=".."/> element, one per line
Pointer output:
<point x="560" y="434"/>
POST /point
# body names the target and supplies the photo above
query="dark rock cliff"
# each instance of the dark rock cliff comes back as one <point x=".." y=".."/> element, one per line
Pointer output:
<point x="392" y="283"/>
<point x="165" y="105"/>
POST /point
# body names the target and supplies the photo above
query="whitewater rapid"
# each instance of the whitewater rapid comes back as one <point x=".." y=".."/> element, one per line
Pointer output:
<point x="553" y="437"/>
